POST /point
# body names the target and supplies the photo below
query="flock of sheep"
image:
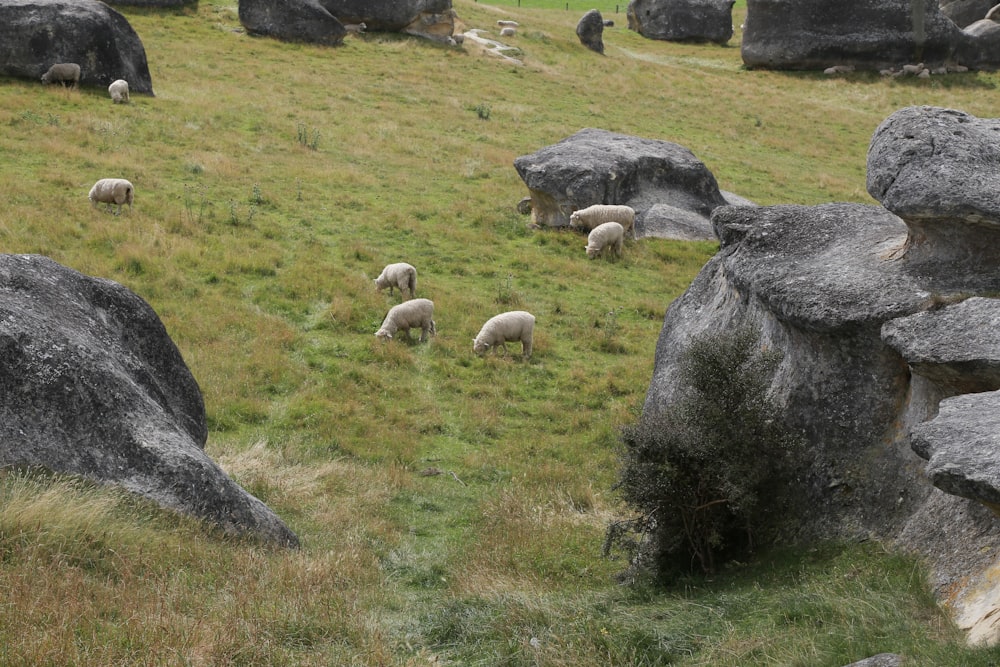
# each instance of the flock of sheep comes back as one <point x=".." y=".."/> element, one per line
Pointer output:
<point x="110" y="191"/>
<point x="606" y="224"/>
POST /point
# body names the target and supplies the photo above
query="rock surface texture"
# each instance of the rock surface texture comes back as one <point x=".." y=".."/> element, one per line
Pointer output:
<point x="891" y="356"/>
<point x="682" y="20"/>
<point x="35" y="34"/>
<point x="963" y="13"/>
<point x="672" y="191"/>
<point x="322" y="21"/>
<point x="92" y="385"/>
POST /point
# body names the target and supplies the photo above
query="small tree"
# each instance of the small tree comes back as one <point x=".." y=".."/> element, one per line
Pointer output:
<point x="708" y="471"/>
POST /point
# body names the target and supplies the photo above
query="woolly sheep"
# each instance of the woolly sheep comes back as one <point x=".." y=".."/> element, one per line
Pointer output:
<point x="63" y="73"/>
<point x="510" y="326"/>
<point x="355" y="28"/>
<point x="119" y="91"/>
<point x="508" y="31"/>
<point x="112" y="191"/>
<point x="401" y="275"/>
<point x="507" y="24"/>
<point x="588" y="218"/>
<point x="409" y="315"/>
<point x="607" y="235"/>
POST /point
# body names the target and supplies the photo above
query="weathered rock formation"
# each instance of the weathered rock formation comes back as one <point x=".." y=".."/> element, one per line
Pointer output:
<point x="590" y="30"/>
<point x="322" y="21"/>
<point x="153" y="3"/>
<point x="965" y="12"/>
<point x="672" y="191"/>
<point x="35" y="34"/>
<point x="816" y="34"/>
<point x="682" y="20"/>
<point x="885" y="322"/>
<point x="92" y="385"/>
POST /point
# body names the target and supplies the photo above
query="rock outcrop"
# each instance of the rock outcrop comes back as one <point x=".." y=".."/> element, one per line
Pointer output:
<point x="891" y="364"/>
<point x="92" y="385"/>
<point x="964" y="13"/>
<point x="590" y="30"/>
<point x="35" y="34"/>
<point x="672" y="191"/>
<point x="322" y="21"/>
<point x="682" y="20"/>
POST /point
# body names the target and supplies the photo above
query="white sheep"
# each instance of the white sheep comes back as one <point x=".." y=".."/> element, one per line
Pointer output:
<point x="507" y="31"/>
<point x="510" y="326"/>
<point x="112" y="191"/>
<point x="119" y="91"/>
<point x="588" y="218"/>
<point x="63" y="73"/>
<point x="507" y="23"/>
<point x="355" y="28"/>
<point x="606" y="235"/>
<point x="401" y="275"/>
<point x="409" y="315"/>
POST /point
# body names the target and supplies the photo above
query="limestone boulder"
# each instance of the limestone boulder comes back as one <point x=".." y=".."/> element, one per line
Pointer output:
<point x="35" y="34"/>
<point x="153" y="3"/>
<point x="322" y="21"/>
<point x="866" y="34"/>
<point x="593" y="166"/>
<point x="92" y="385"/>
<point x="682" y="20"/>
<point x="966" y="12"/>
<point x="590" y="31"/>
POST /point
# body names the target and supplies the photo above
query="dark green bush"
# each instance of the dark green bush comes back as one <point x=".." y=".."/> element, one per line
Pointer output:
<point x="708" y="474"/>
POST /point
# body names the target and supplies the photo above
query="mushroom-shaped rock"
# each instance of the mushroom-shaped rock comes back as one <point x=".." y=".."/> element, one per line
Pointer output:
<point x="599" y="167"/>
<point x="92" y="385"/>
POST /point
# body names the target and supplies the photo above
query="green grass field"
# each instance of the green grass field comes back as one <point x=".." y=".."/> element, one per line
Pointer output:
<point x="273" y="182"/>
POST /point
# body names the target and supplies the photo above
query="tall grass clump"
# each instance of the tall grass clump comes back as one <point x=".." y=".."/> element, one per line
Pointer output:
<point x="707" y="474"/>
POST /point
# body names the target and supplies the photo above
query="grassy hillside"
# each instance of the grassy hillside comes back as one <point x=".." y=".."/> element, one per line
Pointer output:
<point x="451" y="509"/>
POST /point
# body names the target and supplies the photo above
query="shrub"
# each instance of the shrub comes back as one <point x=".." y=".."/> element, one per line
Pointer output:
<point x="712" y="468"/>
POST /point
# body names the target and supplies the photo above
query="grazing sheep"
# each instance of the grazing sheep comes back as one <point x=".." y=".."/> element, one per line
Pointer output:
<point x="509" y="326"/>
<point x="355" y="28"/>
<point x="112" y="191"/>
<point x="588" y="218"/>
<point x="409" y="315"/>
<point x="400" y="275"/>
<point x="508" y="31"/>
<point x="607" y="235"/>
<point x="119" y="91"/>
<point x="507" y="24"/>
<point x="63" y="73"/>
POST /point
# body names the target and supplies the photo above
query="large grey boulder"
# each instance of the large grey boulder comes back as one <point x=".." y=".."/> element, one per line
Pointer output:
<point x="659" y="179"/>
<point x="92" y="385"/>
<point x="868" y="34"/>
<point x="875" y="311"/>
<point x="682" y="20"/>
<point x="322" y="21"/>
<point x="590" y="31"/>
<point x="153" y="3"/>
<point x="35" y="34"/>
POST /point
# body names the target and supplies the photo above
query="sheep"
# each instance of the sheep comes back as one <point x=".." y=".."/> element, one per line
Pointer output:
<point x="510" y="326"/>
<point x="355" y="28"/>
<point x="401" y="275"/>
<point x="508" y="31"/>
<point x="409" y="315"/>
<point x="63" y="73"/>
<point x="507" y="24"/>
<point x="112" y="191"/>
<point x="606" y="235"/>
<point x="588" y="218"/>
<point x="119" y="91"/>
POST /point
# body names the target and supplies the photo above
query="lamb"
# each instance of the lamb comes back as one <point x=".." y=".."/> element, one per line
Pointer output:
<point x="510" y="326"/>
<point x="401" y="275"/>
<point x="63" y="73"/>
<point x="119" y="91"/>
<point x="112" y="191"/>
<point x="607" y="235"/>
<point x="588" y="218"/>
<point x="409" y="315"/>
